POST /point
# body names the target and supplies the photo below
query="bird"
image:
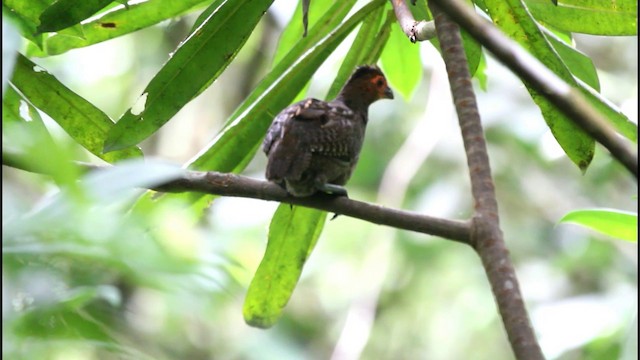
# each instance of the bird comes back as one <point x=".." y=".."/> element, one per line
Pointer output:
<point x="313" y="145"/>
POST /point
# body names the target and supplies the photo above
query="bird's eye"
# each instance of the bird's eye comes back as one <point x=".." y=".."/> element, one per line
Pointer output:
<point x="380" y="82"/>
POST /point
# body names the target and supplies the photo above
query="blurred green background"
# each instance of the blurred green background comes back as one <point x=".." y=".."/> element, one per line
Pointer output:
<point x="89" y="280"/>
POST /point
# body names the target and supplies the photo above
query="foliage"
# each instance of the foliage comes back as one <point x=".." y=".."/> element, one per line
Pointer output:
<point x="86" y="254"/>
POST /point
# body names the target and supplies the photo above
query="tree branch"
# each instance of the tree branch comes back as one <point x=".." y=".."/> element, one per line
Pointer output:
<point x="232" y="185"/>
<point x="567" y="99"/>
<point x="486" y="235"/>
<point x="415" y="30"/>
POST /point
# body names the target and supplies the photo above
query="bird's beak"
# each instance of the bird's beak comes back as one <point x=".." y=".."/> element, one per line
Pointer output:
<point x="388" y="93"/>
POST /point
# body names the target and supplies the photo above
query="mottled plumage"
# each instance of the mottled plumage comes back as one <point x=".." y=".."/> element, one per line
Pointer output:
<point x="314" y="145"/>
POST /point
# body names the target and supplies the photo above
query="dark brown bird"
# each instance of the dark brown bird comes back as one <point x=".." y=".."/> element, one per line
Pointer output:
<point x="314" y="145"/>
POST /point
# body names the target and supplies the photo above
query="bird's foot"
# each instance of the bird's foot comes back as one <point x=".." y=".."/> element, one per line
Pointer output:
<point x="333" y="189"/>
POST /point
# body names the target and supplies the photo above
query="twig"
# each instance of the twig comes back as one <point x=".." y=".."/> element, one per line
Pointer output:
<point x="486" y="235"/>
<point x="241" y="186"/>
<point x="567" y="99"/>
<point x="415" y="30"/>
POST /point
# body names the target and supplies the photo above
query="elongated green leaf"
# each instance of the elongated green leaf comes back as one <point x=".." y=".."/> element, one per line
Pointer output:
<point x="325" y="25"/>
<point x="578" y="63"/>
<point x="318" y="17"/>
<point x="620" y="121"/>
<point x="116" y="22"/>
<point x="513" y="18"/>
<point x="290" y="243"/>
<point x="361" y="46"/>
<point x="84" y="122"/>
<point x="594" y="17"/>
<point x="65" y="13"/>
<point x="196" y="63"/>
<point x="615" y="223"/>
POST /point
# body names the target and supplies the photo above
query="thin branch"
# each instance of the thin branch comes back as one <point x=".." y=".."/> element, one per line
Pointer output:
<point x="567" y="99"/>
<point x="486" y="235"/>
<point x="232" y="185"/>
<point x="415" y="30"/>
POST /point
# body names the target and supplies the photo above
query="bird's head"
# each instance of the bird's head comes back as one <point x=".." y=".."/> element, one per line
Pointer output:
<point x="365" y="86"/>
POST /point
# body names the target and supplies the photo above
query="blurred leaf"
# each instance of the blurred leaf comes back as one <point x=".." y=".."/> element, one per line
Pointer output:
<point x="594" y="17"/>
<point x="84" y="122"/>
<point x="514" y="20"/>
<point x="116" y="22"/>
<point x="112" y="182"/>
<point x="290" y="243"/>
<point x="615" y="223"/>
<point x="60" y="322"/>
<point x="578" y="63"/>
<point x="82" y="295"/>
<point x="27" y="142"/>
<point x="196" y="63"/>
<point x="11" y="42"/>
<point x="401" y="62"/>
<point x="65" y="13"/>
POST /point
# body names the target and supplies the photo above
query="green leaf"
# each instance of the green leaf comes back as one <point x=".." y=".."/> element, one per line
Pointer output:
<point x="360" y="48"/>
<point x="615" y="223"/>
<point x="65" y="13"/>
<point x="620" y="121"/>
<point x="291" y="240"/>
<point x="401" y="62"/>
<point x="578" y="63"/>
<point x="513" y="19"/>
<point x="25" y="15"/>
<point x="84" y="122"/>
<point x="193" y="67"/>
<point x="319" y="12"/>
<point x="594" y="17"/>
<point x="116" y="22"/>
<point x="26" y="141"/>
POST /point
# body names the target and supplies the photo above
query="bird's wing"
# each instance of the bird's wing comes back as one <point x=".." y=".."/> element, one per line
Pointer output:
<point x="305" y="128"/>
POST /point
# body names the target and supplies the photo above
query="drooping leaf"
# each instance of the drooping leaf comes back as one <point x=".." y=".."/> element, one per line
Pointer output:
<point x="514" y="19"/>
<point x="294" y="231"/>
<point x="197" y="62"/>
<point x="594" y="17"/>
<point x="290" y="243"/>
<point x="64" y="13"/>
<point x="84" y="122"/>
<point x="615" y="223"/>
